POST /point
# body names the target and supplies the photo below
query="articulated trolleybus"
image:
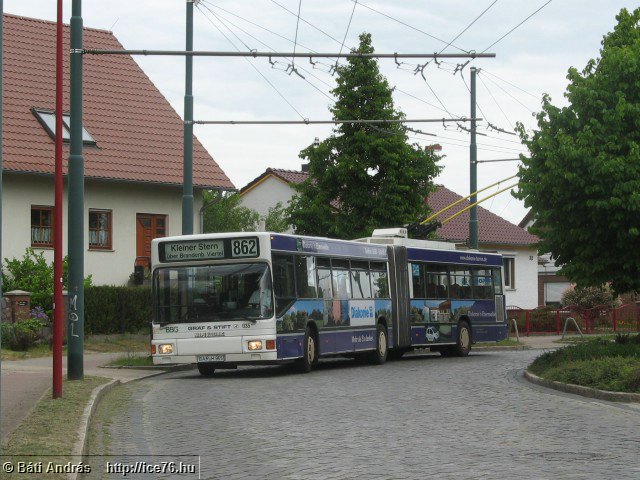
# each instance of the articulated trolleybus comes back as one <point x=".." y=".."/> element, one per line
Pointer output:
<point x="223" y="300"/>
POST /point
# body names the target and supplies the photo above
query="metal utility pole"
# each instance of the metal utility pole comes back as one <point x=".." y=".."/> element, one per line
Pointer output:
<point x="187" y="183"/>
<point x="1" y="124"/>
<point x="58" y="310"/>
<point x="75" y="332"/>
<point x="473" y="160"/>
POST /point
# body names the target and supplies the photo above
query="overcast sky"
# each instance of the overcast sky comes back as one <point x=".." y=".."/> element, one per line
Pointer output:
<point x="531" y="60"/>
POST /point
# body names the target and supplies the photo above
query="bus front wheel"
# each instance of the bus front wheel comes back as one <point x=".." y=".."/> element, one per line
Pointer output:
<point x="206" y="369"/>
<point x="379" y="355"/>
<point x="310" y="353"/>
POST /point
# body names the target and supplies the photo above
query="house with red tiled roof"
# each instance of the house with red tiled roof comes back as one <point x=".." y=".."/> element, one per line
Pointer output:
<point x="132" y="151"/>
<point x="494" y="232"/>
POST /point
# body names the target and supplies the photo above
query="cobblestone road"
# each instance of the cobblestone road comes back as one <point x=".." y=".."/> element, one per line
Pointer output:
<point x="421" y="417"/>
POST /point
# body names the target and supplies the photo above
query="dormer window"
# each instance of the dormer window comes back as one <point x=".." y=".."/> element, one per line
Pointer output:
<point x="47" y="119"/>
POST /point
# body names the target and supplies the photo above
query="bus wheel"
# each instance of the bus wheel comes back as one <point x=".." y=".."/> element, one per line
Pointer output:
<point x="379" y="355"/>
<point x="206" y="369"/>
<point x="463" y="342"/>
<point x="310" y="355"/>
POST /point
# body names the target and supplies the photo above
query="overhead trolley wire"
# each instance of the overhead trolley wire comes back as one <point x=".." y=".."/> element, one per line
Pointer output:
<point x="508" y="93"/>
<point x="344" y="39"/>
<point x="518" y="25"/>
<point x="496" y="102"/>
<point x="295" y="41"/>
<point x="412" y="27"/>
<point x="537" y="97"/>
<point x="468" y="26"/>
<point x="254" y="67"/>
<point x="289" y="69"/>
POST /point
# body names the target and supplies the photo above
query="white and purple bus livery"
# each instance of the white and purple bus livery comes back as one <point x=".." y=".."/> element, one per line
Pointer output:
<point x="223" y="300"/>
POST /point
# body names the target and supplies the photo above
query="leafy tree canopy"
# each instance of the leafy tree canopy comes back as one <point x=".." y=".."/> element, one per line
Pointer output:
<point x="223" y="213"/>
<point x="363" y="176"/>
<point x="582" y="180"/>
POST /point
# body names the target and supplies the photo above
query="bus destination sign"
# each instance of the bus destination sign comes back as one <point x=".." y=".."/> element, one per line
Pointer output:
<point x="200" y="250"/>
<point x="184" y="251"/>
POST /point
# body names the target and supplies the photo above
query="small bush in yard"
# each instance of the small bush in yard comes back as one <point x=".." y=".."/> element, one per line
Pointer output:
<point x="22" y="335"/>
<point x="588" y="297"/>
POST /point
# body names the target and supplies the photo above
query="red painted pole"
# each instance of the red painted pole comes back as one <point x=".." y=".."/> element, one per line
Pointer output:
<point x="558" y="322"/>
<point x="58" y="309"/>
<point x="526" y="321"/>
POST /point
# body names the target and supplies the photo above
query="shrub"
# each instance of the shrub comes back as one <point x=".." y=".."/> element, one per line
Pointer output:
<point x="22" y="335"/>
<point x="33" y="274"/>
<point x="115" y="309"/>
<point x="588" y="297"/>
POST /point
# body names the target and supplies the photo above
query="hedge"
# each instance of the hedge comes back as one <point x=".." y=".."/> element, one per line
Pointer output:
<point x="111" y="309"/>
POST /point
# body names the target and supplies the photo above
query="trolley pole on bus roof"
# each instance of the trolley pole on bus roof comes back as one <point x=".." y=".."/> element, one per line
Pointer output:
<point x="473" y="161"/>
<point x="75" y="332"/>
<point x="187" y="184"/>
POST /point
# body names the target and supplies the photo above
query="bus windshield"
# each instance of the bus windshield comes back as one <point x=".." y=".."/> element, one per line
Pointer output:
<point x="213" y="293"/>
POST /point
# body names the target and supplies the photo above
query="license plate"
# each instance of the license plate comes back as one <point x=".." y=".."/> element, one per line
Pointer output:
<point x="210" y="358"/>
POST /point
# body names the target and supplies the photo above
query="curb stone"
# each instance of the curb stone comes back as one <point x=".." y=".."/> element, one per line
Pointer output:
<point x="79" y="448"/>
<point x="583" y="391"/>
<point x="81" y="444"/>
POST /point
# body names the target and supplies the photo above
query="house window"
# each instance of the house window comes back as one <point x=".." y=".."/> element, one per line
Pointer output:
<point x="47" y="119"/>
<point x="100" y="230"/>
<point x="41" y="226"/>
<point x="509" y="268"/>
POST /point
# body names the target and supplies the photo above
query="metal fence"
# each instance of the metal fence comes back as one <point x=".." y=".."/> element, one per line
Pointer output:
<point x="600" y="319"/>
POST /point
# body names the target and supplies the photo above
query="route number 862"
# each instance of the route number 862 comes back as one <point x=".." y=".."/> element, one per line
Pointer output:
<point x="246" y="247"/>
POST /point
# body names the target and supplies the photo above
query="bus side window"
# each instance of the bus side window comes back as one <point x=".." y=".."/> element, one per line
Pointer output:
<point x="360" y="279"/>
<point x="482" y="288"/>
<point x="460" y="283"/>
<point x="283" y="282"/>
<point x="340" y="279"/>
<point x="306" y="277"/>
<point x="379" y="280"/>
<point x="497" y="280"/>
<point x="437" y="282"/>
<point x="417" y="280"/>
<point x="324" y="277"/>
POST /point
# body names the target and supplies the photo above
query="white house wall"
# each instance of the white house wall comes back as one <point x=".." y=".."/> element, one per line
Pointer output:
<point x="266" y="195"/>
<point x="525" y="292"/>
<point x="125" y="200"/>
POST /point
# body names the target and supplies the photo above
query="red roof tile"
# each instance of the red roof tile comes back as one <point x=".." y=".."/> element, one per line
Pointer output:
<point x="139" y="135"/>
<point x="287" y="176"/>
<point x="492" y="229"/>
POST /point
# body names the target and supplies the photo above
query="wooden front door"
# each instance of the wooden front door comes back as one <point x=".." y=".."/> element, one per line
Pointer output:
<point x="148" y="227"/>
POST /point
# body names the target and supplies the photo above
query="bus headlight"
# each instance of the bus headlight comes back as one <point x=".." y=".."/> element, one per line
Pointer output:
<point x="255" y="344"/>
<point x="165" y="348"/>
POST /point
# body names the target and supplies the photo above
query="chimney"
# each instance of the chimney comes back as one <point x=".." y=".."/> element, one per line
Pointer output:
<point x="304" y="168"/>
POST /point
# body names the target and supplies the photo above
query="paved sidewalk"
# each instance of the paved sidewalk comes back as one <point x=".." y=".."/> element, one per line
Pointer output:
<point x="543" y="342"/>
<point x="25" y="382"/>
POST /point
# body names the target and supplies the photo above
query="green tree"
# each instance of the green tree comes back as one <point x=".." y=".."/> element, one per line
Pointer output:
<point x="276" y="219"/>
<point x="582" y="179"/>
<point x="223" y="213"/>
<point x="363" y="176"/>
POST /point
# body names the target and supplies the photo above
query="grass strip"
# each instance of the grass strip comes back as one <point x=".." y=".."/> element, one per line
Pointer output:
<point x="132" y="361"/>
<point x="598" y="363"/>
<point x="50" y="432"/>
<point x="92" y="344"/>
